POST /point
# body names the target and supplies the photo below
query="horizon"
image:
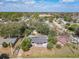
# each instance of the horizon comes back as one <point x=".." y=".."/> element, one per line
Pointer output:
<point x="39" y="5"/>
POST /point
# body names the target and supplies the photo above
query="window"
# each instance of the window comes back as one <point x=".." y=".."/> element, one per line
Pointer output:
<point x="32" y="42"/>
<point x="44" y="42"/>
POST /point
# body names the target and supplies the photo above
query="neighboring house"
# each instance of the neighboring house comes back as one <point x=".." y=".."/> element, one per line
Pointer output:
<point x="58" y="27"/>
<point x="8" y="40"/>
<point x="75" y="39"/>
<point x="61" y="21"/>
<point x="77" y="21"/>
<point x="49" y="24"/>
<point x="39" y="40"/>
<point x="62" y="39"/>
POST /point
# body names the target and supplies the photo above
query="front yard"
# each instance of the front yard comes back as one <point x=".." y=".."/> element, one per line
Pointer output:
<point x="36" y="52"/>
<point x="5" y="50"/>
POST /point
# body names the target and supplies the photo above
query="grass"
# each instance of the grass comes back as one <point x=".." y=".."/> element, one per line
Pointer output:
<point x="52" y="56"/>
<point x="64" y="52"/>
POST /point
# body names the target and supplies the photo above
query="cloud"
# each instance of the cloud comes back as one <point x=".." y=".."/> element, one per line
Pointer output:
<point x="30" y="2"/>
<point x="12" y="0"/>
<point x="1" y="3"/>
<point x="68" y="0"/>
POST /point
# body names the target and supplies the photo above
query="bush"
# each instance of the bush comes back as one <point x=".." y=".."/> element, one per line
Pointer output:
<point x="67" y="18"/>
<point x="42" y="28"/>
<point x="77" y="32"/>
<point x="26" y="44"/>
<point x="74" y="46"/>
<point x="5" y="44"/>
<point x="67" y="25"/>
<point x="58" y="46"/>
<point x="50" y="45"/>
<point x="73" y="27"/>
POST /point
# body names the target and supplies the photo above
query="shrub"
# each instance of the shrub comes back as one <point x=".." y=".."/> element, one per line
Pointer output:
<point x="73" y="27"/>
<point x="50" y="45"/>
<point x="58" y="46"/>
<point x="5" y="44"/>
<point x="74" y="47"/>
<point x="42" y="28"/>
<point x="77" y="32"/>
<point x="26" y="44"/>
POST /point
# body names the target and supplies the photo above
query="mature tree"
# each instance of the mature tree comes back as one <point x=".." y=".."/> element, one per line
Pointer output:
<point x="10" y="29"/>
<point x="10" y="16"/>
<point x="51" y="39"/>
<point x="66" y="18"/>
<point x="73" y="27"/>
<point x="42" y="28"/>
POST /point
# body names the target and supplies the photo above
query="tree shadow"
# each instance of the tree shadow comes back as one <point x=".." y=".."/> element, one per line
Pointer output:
<point x="4" y="56"/>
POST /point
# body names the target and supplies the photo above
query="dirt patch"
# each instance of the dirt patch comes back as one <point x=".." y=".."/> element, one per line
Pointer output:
<point x="5" y="50"/>
<point x="38" y="50"/>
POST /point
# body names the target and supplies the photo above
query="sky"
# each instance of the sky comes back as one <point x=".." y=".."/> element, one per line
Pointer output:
<point x="39" y="5"/>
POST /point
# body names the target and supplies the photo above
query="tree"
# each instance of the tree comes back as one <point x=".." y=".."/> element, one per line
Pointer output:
<point x="36" y="16"/>
<point x="28" y="31"/>
<point x="66" y="18"/>
<point x="11" y="29"/>
<point x="73" y="27"/>
<point x="10" y="16"/>
<point x="51" y="39"/>
<point x="77" y="32"/>
<point x="4" y="44"/>
<point x="42" y="28"/>
<point x="51" y="18"/>
<point x="26" y="44"/>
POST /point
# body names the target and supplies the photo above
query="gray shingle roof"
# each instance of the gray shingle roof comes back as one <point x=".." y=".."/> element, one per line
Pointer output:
<point x="39" y="39"/>
<point x="8" y="40"/>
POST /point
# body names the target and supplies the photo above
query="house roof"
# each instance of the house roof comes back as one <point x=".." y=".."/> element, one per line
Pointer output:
<point x="8" y="40"/>
<point x="63" y="39"/>
<point x="39" y="39"/>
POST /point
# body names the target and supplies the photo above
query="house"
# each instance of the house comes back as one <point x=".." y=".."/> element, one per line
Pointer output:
<point x="62" y="39"/>
<point x="39" y="40"/>
<point x="8" y="40"/>
<point x="75" y="39"/>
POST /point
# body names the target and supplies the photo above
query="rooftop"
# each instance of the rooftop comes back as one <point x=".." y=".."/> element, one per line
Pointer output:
<point x="39" y="39"/>
<point x="7" y="40"/>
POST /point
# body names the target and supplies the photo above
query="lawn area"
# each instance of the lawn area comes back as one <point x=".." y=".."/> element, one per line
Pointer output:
<point x="5" y="50"/>
<point x="64" y="52"/>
